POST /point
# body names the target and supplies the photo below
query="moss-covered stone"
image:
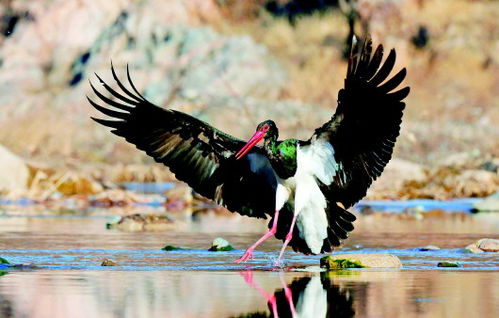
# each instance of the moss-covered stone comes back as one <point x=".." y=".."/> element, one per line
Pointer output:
<point x="339" y="263"/>
<point x="4" y="261"/>
<point x="220" y="245"/>
<point x="448" y="264"/>
<point x="171" y="248"/>
<point x="109" y="262"/>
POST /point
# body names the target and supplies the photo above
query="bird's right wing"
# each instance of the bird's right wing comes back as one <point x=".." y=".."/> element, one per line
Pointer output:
<point x="366" y="124"/>
<point x="195" y="152"/>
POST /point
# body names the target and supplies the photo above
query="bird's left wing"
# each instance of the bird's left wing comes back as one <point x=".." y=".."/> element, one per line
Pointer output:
<point x="195" y="152"/>
<point x="366" y="124"/>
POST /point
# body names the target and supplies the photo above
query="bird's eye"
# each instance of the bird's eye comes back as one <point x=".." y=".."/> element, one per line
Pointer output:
<point x="265" y="128"/>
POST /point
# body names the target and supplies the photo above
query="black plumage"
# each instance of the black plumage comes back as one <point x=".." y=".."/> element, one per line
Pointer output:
<point x="195" y="152"/>
<point x="362" y="133"/>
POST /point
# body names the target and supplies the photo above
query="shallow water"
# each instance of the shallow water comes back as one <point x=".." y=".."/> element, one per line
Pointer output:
<point x="68" y="280"/>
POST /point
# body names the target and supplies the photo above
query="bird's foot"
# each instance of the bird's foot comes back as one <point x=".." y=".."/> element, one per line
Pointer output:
<point x="247" y="256"/>
<point x="279" y="263"/>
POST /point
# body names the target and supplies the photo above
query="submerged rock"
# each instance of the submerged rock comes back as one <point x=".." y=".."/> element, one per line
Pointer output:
<point x="360" y="261"/>
<point x="109" y="262"/>
<point x="171" y="248"/>
<point x="448" y="264"/>
<point x="484" y="245"/>
<point x="143" y="222"/>
<point x="220" y="245"/>
<point x="429" y="248"/>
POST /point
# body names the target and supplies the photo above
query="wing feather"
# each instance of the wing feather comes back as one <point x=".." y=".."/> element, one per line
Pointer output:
<point x="193" y="150"/>
<point x="366" y="124"/>
<point x="362" y="133"/>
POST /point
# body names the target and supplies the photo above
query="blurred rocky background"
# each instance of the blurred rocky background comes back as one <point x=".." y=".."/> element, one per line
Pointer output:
<point x="236" y="63"/>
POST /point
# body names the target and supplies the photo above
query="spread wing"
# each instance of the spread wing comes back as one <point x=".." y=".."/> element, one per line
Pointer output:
<point x="195" y="152"/>
<point x="366" y="124"/>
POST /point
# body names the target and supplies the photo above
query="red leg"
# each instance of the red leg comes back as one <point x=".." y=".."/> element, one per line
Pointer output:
<point x="248" y="277"/>
<point x="289" y="296"/>
<point x="289" y="236"/>
<point x="249" y="252"/>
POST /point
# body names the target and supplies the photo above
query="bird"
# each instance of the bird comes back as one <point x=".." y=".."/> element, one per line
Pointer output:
<point x="305" y="187"/>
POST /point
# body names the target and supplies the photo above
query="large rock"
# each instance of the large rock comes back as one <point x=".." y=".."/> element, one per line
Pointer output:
<point x="174" y="62"/>
<point x="338" y="261"/>
<point x="14" y="173"/>
<point x="484" y="245"/>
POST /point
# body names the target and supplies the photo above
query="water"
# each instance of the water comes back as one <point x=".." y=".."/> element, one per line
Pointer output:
<point x="68" y="280"/>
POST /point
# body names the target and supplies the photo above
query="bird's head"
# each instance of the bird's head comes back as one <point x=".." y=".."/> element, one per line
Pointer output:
<point x="264" y="130"/>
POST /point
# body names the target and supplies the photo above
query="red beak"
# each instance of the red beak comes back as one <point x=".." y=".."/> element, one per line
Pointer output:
<point x="250" y="144"/>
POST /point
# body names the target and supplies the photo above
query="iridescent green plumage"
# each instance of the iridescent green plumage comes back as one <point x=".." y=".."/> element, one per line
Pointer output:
<point x="282" y="154"/>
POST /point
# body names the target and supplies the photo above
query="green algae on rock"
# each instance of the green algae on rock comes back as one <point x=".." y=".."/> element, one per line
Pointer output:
<point x="4" y="261"/>
<point x="109" y="262"/>
<point x="220" y="245"/>
<point x="339" y="263"/>
<point x="448" y="264"/>
<point x="360" y="261"/>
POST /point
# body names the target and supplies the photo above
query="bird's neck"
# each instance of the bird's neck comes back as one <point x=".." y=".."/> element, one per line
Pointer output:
<point x="282" y="155"/>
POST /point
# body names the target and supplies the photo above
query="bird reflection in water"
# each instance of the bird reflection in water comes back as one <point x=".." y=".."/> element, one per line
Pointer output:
<point x="305" y="297"/>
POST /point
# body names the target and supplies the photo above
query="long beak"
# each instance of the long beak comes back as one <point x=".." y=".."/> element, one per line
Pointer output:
<point x="250" y="144"/>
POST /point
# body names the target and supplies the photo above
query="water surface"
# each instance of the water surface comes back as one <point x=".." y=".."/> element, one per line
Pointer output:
<point x="69" y="281"/>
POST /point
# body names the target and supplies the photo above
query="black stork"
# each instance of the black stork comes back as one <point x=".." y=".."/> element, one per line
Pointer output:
<point x="304" y="186"/>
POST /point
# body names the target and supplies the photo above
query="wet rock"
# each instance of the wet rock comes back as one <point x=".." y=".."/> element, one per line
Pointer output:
<point x="360" y="261"/>
<point x="429" y="248"/>
<point x="14" y="173"/>
<point x="171" y="248"/>
<point x="490" y="203"/>
<point x="220" y="245"/>
<point x="109" y="262"/>
<point x="448" y="264"/>
<point x="484" y="245"/>
<point x="144" y="222"/>
<point x="340" y="263"/>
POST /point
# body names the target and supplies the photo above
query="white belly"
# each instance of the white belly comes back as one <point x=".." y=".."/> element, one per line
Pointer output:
<point x="309" y="201"/>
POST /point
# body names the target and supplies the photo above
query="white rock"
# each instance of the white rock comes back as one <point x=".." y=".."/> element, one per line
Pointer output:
<point x="14" y="172"/>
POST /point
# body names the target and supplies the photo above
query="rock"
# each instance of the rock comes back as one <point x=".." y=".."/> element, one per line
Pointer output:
<point x="491" y="165"/>
<point x="490" y="203"/>
<point x="109" y="262"/>
<point x="429" y="248"/>
<point x="220" y="245"/>
<point x="340" y="263"/>
<point x="171" y="248"/>
<point x="484" y="245"/>
<point x="14" y="173"/>
<point x="4" y="261"/>
<point x="395" y="175"/>
<point x="448" y="264"/>
<point x="360" y="261"/>
<point x="143" y="222"/>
